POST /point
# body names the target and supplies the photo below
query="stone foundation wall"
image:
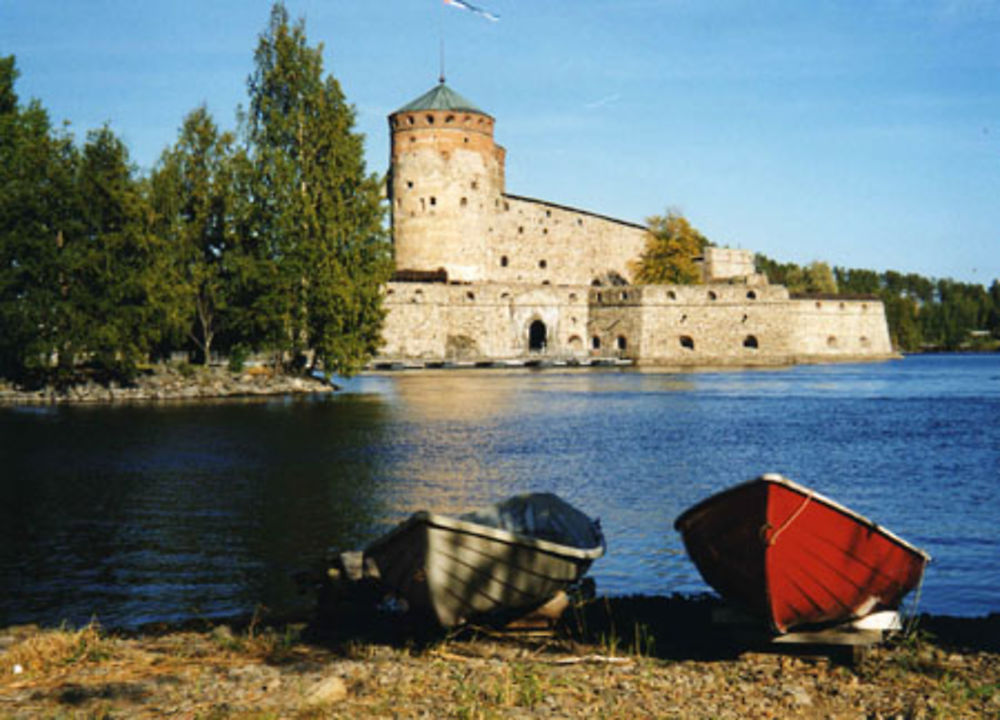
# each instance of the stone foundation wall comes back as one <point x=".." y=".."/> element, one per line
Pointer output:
<point x="691" y="325"/>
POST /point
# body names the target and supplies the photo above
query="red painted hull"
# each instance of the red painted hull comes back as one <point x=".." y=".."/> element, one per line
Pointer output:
<point x="795" y="557"/>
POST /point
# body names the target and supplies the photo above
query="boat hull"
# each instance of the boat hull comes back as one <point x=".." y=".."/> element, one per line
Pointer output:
<point x="458" y="570"/>
<point x="795" y="557"/>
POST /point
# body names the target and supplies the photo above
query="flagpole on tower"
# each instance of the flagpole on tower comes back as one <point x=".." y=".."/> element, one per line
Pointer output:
<point x="441" y="43"/>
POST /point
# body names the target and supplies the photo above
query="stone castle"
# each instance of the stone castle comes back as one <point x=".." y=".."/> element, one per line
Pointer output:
<point x="484" y="276"/>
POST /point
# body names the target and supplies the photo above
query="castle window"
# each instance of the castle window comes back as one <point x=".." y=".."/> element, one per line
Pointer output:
<point x="506" y="205"/>
<point x="750" y="342"/>
<point x="470" y="295"/>
<point x="463" y="202"/>
<point x="546" y="282"/>
<point x="520" y="230"/>
<point x="865" y="342"/>
<point x="433" y="201"/>
<point x="545" y="231"/>
<point x="542" y="264"/>
<point x="579" y="221"/>
<point x="475" y="184"/>
<point x="624" y="295"/>
<point x="684" y="318"/>
<point x="595" y="342"/>
<point x="864" y="307"/>
<point x="503" y="261"/>
<point x="671" y="295"/>
<point x="575" y="343"/>
<point x="745" y="318"/>
<point x="409" y="119"/>
<point x="712" y="295"/>
<point x="548" y="213"/>
<point x="450" y="118"/>
<point x="505" y="296"/>
<point x="687" y="342"/>
<point x="598" y="297"/>
<point x="818" y="304"/>
<point x="572" y="297"/>
<point x="430" y="119"/>
<point x="831" y="341"/>
<point x="409" y="184"/>
<point x="621" y="342"/>
<point x="413" y="139"/>
<point x="465" y="140"/>
<point x="843" y="306"/>
<point x="751" y="295"/>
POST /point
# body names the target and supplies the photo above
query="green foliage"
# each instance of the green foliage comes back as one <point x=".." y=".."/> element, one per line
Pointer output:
<point x="277" y="244"/>
<point x="197" y="208"/>
<point x="316" y="217"/>
<point x="39" y="214"/>
<point x="672" y="246"/>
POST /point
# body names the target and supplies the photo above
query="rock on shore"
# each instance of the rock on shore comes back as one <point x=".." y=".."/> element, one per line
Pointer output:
<point x="166" y="382"/>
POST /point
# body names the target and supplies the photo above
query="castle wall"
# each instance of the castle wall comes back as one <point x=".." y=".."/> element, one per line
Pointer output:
<point x="834" y="328"/>
<point x="531" y="241"/>
<point x="435" y="322"/>
<point x="666" y="325"/>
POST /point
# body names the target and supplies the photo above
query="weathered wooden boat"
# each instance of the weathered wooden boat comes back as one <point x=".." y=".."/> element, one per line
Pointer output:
<point x="513" y="556"/>
<point x="795" y="557"/>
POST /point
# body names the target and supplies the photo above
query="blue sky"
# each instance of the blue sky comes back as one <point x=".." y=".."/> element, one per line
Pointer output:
<point x="865" y="134"/>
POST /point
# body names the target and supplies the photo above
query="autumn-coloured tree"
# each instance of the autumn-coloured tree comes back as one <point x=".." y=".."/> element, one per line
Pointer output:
<point x="672" y="247"/>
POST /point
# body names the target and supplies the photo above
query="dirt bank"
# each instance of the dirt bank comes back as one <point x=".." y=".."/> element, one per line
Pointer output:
<point x="291" y="672"/>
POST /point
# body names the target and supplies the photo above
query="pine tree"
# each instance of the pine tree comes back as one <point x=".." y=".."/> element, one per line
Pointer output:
<point x="115" y="287"/>
<point x="39" y="215"/>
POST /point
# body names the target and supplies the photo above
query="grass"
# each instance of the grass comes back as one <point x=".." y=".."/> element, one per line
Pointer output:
<point x="44" y="651"/>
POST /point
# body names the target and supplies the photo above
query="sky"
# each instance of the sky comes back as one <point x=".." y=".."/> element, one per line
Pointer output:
<point x="862" y="133"/>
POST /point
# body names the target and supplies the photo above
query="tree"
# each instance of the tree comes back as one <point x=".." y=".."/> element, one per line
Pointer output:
<point x="316" y="217"/>
<point x="39" y="214"/>
<point x="671" y="249"/>
<point x="195" y="198"/>
<point x="116" y="283"/>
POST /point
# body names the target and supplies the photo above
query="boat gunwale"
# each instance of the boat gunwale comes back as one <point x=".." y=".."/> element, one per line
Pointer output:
<point x="447" y="522"/>
<point x="778" y="479"/>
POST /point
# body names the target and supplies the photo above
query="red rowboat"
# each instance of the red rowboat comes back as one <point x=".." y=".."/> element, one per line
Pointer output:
<point x="795" y="557"/>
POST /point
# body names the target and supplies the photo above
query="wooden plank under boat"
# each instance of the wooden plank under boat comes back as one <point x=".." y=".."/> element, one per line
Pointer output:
<point x="460" y="568"/>
<point x="795" y="557"/>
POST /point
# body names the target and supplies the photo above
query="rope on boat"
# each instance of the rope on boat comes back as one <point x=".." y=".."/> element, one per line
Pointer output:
<point x="791" y="518"/>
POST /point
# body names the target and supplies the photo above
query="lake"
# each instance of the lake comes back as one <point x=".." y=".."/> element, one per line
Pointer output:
<point x="143" y="513"/>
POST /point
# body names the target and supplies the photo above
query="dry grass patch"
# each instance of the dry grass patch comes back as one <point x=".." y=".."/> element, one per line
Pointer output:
<point x="42" y="651"/>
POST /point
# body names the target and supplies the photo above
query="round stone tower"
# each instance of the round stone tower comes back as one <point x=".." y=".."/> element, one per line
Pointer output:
<point x="445" y="184"/>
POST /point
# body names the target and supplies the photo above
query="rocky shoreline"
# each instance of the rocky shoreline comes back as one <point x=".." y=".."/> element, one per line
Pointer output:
<point x="289" y="671"/>
<point x="172" y="382"/>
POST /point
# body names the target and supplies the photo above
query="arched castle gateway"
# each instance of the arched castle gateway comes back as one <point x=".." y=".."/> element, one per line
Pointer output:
<point x="486" y="276"/>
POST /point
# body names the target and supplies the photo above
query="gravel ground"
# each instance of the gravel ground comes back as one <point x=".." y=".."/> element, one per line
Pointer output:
<point x="284" y="672"/>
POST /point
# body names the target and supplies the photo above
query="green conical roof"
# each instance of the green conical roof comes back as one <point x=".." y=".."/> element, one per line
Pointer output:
<point x="441" y="97"/>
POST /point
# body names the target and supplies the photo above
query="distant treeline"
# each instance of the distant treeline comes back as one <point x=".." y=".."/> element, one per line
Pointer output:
<point x="270" y="239"/>
<point x="923" y="313"/>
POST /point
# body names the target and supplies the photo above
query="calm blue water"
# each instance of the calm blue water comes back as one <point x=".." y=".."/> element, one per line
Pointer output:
<point x="139" y="514"/>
